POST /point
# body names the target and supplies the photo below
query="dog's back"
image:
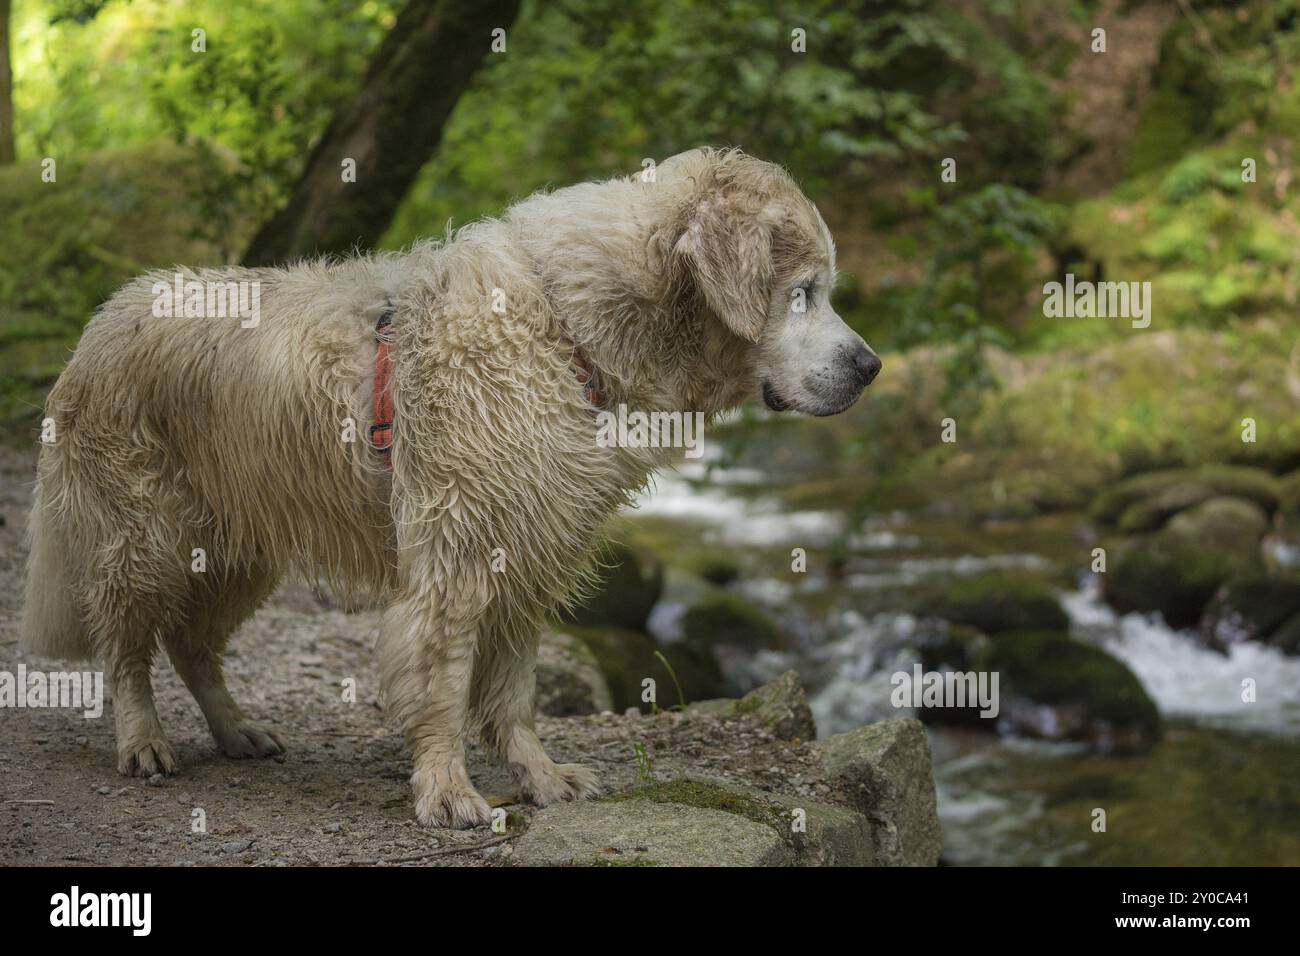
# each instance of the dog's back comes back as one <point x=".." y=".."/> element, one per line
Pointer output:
<point x="211" y="432"/>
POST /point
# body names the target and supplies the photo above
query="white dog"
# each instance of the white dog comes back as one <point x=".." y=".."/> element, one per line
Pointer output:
<point x="196" y="459"/>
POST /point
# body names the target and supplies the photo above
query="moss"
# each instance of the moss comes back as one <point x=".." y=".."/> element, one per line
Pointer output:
<point x="710" y="796"/>
<point x="1177" y="570"/>
<point x="713" y="565"/>
<point x="725" y="618"/>
<point x="1050" y="668"/>
<point x="1002" y="601"/>
<point x="1145" y="502"/>
<point x="780" y="707"/>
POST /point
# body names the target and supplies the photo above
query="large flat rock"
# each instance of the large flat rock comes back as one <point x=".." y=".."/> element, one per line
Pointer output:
<point x="646" y="833"/>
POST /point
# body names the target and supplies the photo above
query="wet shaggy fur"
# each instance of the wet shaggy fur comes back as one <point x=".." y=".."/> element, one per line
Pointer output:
<point x="177" y="434"/>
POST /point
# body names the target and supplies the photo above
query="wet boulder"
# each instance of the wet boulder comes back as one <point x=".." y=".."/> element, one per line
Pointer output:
<point x="626" y="658"/>
<point x="631" y="581"/>
<point x="715" y="565"/>
<point x="1146" y="502"/>
<point x="1049" y="686"/>
<point x="698" y="821"/>
<point x="569" y="679"/>
<point x="1177" y="570"/>
<point x="1053" y="687"/>
<point x="721" y="618"/>
<point x="1250" y="609"/>
<point x="998" y="602"/>
<point x="780" y="707"/>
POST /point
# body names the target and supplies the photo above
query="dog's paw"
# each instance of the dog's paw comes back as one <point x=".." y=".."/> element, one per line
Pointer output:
<point x="247" y="739"/>
<point x="450" y="805"/>
<point x="562" y="781"/>
<point x="146" y="758"/>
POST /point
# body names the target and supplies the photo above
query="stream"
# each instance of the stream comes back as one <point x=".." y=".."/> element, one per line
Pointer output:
<point x="1222" y="787"/>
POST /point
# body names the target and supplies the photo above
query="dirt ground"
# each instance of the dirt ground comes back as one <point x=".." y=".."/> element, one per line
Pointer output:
<point x="340" y="795"/>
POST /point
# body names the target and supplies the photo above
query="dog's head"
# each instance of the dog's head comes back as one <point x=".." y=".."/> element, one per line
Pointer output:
<point x="761" y="258"/>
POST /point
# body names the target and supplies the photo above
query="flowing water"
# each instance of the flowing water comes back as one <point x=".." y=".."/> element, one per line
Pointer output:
<point x="1221" y="787"/>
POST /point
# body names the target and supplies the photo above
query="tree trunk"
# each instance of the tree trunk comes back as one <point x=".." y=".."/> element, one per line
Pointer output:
<point x="390" y="129"/>
<point x="6" y="90"/>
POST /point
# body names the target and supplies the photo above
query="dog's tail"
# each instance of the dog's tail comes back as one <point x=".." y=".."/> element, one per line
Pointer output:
<point x="52" y="623"/>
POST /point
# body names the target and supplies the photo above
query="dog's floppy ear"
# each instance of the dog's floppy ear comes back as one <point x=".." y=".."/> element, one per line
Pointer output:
<point x="728" y="252"/>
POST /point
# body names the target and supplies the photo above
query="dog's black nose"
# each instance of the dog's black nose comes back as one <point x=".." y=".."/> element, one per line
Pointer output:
<point x="868" y="365"/>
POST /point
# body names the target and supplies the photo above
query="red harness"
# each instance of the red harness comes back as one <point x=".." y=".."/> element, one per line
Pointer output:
<point x="381" y="432"/>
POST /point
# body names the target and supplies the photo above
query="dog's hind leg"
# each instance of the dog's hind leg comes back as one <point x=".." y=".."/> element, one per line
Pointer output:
<point x="505" y="684"/>
<point x="122" y="624"/>
<point x="218" y="605"/>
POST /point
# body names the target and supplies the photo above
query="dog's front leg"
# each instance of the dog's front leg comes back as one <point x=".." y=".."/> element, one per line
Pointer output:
<point x="427" y="662"/>
<point x="505" y="685"/>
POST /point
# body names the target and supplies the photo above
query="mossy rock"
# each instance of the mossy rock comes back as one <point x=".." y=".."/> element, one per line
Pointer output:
<point x="708" y="795"/>
<point x="1289" y="496"/>
<point x="716" y="566"/>
<point x="631" y="581"/>
<point x="1146" y="502"/>
<point x="569" y="678"/>
<point x="780" y="707"/>
<point x="1250" y="609"/>
<point x="648" y="832"/>
<point x="1177" y="570"/>
<point x="627" y="657"/>
<point x="1089" y="693"/>
<point x="832" y="835"/>
<point x="727" y="619"/>
<point x="1050" y="685"/>
<point x="956" y="648"/>
<point x="1001" y="601"/>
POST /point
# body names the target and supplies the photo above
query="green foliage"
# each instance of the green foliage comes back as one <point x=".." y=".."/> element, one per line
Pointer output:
<point x="91" y="75"/>
<point x="589" y="87"/>
<point x="100" y="223"/>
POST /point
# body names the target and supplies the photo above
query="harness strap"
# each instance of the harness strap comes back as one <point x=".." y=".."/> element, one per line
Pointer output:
<point x="381" y="432"/>
<point x="585" y="376"/>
